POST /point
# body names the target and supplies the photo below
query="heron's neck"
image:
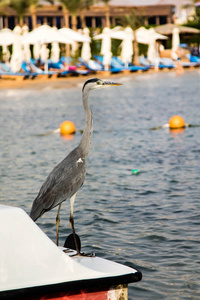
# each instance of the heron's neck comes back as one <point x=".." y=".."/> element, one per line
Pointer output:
<point x="86" y="137"/>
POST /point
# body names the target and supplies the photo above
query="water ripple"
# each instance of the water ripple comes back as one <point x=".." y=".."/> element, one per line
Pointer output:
<point x="149" y="221"/>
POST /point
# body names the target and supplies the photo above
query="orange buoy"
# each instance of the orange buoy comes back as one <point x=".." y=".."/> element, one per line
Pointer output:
<point x="176" y="122"/>
<point x="67" y="127"/>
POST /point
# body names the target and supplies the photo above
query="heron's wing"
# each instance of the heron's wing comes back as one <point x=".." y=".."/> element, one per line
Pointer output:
<point x="64" y="181"/>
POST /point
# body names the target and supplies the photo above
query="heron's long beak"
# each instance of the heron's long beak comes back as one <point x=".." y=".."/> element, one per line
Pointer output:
<point x="107" y="83"/>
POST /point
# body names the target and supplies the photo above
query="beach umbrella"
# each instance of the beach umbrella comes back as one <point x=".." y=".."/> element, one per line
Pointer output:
<point x="86" y="51"/>
<point x="55" y="49"/>
<point x="105" y="38"/>
<point x="167" y="29"/>
<point x="5" y="53"/>
<point x="44" y="35"/>
<point x="125" y="35"/>
<point x="106" y="41"/>
<point x="44" y="52"/>
<point x="175" y="42"/>
<point x="25" y="47"/>
<point x="142" y="34"/>
<point x="55" y="52"/>
<point x="7" y="37"/>
<point x="44" y="55"/>
<point x="74" y="35"/>
<point x="16" y="58"/>
<point x="145" y="36"/>
<point x="106" y="48"/>
<point x="151" y="53"/>
<point x="127" y="46"/>
<point x="107" y="60"/>
<point x="36" y="50"/>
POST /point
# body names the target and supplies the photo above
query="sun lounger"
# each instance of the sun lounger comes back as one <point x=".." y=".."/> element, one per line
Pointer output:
<point x="34" y="69"/>
<point x="117" y="62"/>
<point x="113" y="69"/>
<point x="168" y="62"/>
<point x="193" y="59"/>
<point x="64" y="69"/>
<point x="161" y="64"/>
<point x="91" y="65"/>
<point x="6" y="73"/>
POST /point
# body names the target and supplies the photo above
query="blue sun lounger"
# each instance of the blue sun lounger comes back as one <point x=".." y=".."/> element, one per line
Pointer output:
<point x="194" y="59"/>
<point x="5" y="72"/>
<point x="117" y="62"/>
<point x="73" y="70"/>
<point x="97" y="67"/>
<point x="35" y="71"/>
<point x="161" y="64"/>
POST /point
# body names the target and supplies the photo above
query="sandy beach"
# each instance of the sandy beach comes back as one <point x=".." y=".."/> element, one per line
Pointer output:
<point x="40" y="83"/>
<point x="72" y="81"/>
<point x="53" y="83"/>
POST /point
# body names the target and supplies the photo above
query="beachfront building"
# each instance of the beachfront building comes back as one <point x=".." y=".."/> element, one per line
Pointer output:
<point x="154" y="12"/>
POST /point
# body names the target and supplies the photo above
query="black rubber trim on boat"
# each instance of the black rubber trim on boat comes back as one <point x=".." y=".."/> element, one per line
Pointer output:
<point x="94" y="284"/>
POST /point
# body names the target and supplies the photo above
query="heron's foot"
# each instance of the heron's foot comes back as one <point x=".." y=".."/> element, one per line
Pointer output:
<point x="92" y="254"/>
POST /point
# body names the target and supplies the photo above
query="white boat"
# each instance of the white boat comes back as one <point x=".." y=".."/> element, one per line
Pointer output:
<point x="33" y="267"/>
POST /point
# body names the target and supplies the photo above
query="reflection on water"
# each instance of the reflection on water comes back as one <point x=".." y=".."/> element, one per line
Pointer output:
<point x="176" y="132"/>
<point x="150" y="221"/>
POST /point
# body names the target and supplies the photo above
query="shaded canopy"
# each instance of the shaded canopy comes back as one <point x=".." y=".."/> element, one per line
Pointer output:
<point x="74" y="35"/>
<point x="86" y="51"/>
<point x="7" y="37"/>
<point x="127" y="46"/>
<point x="16" y="59"/>
<point x="45" y="34"/>
<point x="168" y="29"/>
<point x="142" y="35"/>
<point x="145" y="36"/>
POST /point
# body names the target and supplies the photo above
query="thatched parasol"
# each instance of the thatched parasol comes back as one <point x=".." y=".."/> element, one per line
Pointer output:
<point x="167" y="29"/>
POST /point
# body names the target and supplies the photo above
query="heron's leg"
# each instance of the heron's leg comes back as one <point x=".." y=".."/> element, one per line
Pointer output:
<point x="71" y="220"/>
<point x="57" y="224"/>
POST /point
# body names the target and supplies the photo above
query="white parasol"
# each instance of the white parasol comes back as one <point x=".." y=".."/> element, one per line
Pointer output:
<point x="175" y="42"/>
<point x="86" y="51"/>
<point x="127" y="46"/>
<point x="45" y="35"/>
<point x="16" y="59"/>
<point x="7" y="37"/>
<point x="105" y="36"/>
<point x="25" y="48"/>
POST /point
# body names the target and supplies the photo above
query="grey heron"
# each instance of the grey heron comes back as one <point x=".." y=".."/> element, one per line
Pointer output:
<point x="69" y="175"/>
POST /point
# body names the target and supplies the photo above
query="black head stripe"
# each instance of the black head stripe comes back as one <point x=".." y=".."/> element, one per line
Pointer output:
<point x="89" y="81"/>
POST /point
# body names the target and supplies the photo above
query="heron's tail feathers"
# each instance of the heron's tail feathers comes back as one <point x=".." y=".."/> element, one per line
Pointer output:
<point x="36" y="211"/>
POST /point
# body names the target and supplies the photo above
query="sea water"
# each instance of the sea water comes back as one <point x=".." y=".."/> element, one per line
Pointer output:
<point x="149" y="220"/>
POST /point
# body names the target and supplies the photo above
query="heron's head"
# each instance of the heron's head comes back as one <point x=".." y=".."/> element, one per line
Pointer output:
<point x="95" y="83"/>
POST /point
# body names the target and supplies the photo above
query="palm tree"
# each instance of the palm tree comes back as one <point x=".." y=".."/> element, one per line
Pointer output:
<point x="73" y="6"/>
<point x="33" y="5"/>
<point x="20" y="6"/>
<point x="85" y="4"/>
<point x="134" y="21"/>
<point x="196" y="8"/>
<point x="107" y="12"/>
<point x="33" y="9"/>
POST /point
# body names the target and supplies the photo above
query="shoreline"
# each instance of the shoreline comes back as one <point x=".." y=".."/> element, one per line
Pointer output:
<point x="53" y="83"/>
<point x="72" y="81"/>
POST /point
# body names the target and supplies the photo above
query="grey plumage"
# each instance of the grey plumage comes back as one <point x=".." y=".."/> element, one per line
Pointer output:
<point x="69" y="175"/>
<point x="64" y="181"/>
